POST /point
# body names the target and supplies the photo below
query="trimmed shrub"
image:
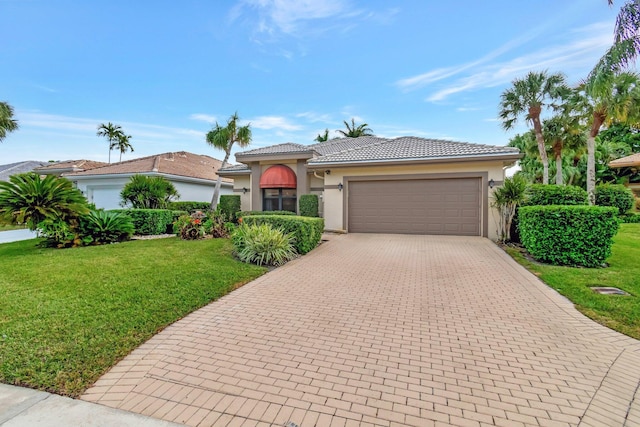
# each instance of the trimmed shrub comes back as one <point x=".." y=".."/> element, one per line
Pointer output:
<point x="306" y="231"/>
<point x="540" y="194"/>
<point x="100" y="227"/>
<point x="189" y="207"/>
<point x="151" y="221"/>
<point x="263" y="245"/>
<point x="568" y="235"/>
<point x="309" y="205"/>
<point x="229" y="206"/>
<point x="615" y="195"/>
<point x="630" y="218"/>
<point x="247" y="213"/>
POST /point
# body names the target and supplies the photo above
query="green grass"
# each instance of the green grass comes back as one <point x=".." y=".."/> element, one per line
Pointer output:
<point x="68" y="315"/>
<point x="621" y="313"/>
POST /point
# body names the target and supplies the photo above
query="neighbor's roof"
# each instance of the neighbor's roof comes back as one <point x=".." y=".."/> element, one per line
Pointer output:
<point x="20" y="167"/>
<point x="412" y="148"/>
<point x="71" y="165"/>
<point x="623" y="162"/>
<point x="286" y="148"/>
<point x="180" y="163"/>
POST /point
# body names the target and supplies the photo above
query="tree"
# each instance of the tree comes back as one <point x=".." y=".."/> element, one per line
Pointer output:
<point x="148" y="192"/>
<point x="7" y="122"/>
<point x="506" y="200"/>
<point x="29" y="199"/>
<point x="123" y="144"/>
<point x="354" y="131"/>
<point x="626" y="44"/>
<point x="529" y="96"/>
<point x="223" y="138"/>
<point x="560" y="131"/>
<point x="323" y="138"/>
<point x="611" y="100"/>
<point x="112" y="133"/>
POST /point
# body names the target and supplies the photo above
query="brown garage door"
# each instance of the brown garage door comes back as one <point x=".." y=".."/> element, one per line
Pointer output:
<point x="418" y="206"/>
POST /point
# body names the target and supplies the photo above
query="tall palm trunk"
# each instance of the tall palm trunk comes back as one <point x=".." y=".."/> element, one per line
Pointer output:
<point x="216" y="192"/>
<point x="534" y="113"/>
<point x="557" y="150"/>
<point x="598" y="119"/>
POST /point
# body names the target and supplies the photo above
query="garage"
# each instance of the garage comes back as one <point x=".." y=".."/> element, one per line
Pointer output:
<point x="451" y="206"/>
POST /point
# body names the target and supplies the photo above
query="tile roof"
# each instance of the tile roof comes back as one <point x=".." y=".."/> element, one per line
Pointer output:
<point x="180" y="163"/>
<point x="72" y="165"/>
<point x="410" y="148"/>
<point x="632" y="160"/>
<point x="341" y="144"/>
<point x="237" y="168"/>
<point x="287" y="147"/>
<point x="20" y="167"/>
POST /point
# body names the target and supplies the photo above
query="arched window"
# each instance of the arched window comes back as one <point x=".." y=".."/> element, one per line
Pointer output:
<point x="278" y="184"/>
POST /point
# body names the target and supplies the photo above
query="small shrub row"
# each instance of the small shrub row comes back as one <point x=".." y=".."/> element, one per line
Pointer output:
<point x="189" y="206"/>
<point x="242" y="214"/>
<point x="151" y="221"/>
<point x="617" y="196"/>
<point x="263" y="244"/>
<point x="543" y="195"/>
<point x="630" y="218"/>
<point x="568" y="235"/>
<point x="98" y="227"/>
<point x="306" y="231"/>
<point x="309" y="205"/>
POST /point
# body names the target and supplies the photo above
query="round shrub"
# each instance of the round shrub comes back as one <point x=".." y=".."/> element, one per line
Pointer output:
<point x="309" y="205"/>
<point x="540" y="194"/>
<point x="568" y="235"/>
<point x="615" y="195"/>
<point x="263" y="245"/>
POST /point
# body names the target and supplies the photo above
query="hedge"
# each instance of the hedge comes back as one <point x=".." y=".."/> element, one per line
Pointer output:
<point x="568" y="235"/>
<point x="151" y="221"/>
<point x="309" y="205"/>
<point x="615" y="195"/>
<point x="306" y="231"/>
<point x="551" y="194"/>
<point x="247" y="213"/>
<point x="230" y="206"/>
<point x="189" y="206"/>
<point x="630" y="218"/>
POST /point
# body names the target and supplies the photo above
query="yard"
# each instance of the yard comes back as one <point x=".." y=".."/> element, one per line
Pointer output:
<point x="67" y="316"/>
<point x="621" y="313"/>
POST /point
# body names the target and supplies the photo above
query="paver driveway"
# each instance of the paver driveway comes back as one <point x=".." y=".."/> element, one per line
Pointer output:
<point x="385" y="330"/>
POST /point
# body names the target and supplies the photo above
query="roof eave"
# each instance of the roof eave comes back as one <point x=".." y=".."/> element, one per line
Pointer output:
<point x="182" y="178"/>
<point x="391" y="162"/>
<point x="296" y="155"/>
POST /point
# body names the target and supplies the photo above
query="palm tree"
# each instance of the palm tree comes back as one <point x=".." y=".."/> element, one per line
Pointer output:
<point x="529" y="96"/>
<point x="123" y="144"/>
<point x="7" y="123"/>
<point x="610" y="100"/>
<point x="223" y="138"/>
<point x="29" y="199"/>
<point x="626" y="44"/>
<point x="354" y="131"/>
<point x="323" y="138"/>
<point x="112" y="133"/>
<point x="562" y="131"/>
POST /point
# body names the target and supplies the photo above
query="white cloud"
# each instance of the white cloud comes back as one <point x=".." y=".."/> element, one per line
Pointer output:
<point x="203" y="117"/>
<point x="273" y="122"/>
<point x="314" y="117"/>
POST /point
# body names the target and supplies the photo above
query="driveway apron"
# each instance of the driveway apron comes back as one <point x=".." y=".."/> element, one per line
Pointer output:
<point x="385" y="330"/>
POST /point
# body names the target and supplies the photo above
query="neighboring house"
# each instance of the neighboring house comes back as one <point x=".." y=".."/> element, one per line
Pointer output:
<point x="632" y="162"/>
<point x="403" y="185"/>
<point x="68" y="166"/>
<point x="15" y="168"/>
<point x="193" y="175"/>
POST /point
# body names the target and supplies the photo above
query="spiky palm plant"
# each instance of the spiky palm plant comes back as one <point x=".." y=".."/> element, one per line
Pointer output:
<point x="29" y="199"/>
<point x="354" y="131"/>
<point x="148" y="192"/>
<point x="7" y="122"/>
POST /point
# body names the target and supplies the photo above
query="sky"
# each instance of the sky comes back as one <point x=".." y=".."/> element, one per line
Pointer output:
<point x="166" y="71"/>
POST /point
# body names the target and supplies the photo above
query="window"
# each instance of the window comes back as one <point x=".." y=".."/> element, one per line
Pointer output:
<point x="279" y="199"/>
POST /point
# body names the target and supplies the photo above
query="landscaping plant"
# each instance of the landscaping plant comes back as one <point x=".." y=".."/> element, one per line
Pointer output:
<point x="615" y="195"/>
<point x="100" y="227"/>
<point x="148" y="192"/>
<point x="306" y="232"/>
<point x="189" y="227"/>
<point x="229" y="206"/>
<point x="263" y="245"/>
<point x="506" y="200"/>
<point x="309" y="205"/>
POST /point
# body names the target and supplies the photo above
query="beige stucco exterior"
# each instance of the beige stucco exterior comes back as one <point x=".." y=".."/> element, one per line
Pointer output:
<point x="333" y="201"/>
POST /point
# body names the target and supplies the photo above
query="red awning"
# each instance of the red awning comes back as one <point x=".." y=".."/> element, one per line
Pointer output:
<point x="278" y="176"/>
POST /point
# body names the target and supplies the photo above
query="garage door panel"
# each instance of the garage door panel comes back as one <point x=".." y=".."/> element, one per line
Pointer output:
<point x="420" y="206"/>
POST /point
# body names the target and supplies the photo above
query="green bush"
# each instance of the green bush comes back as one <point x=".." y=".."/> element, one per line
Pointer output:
<point x="189" y="228"/>
<point x="150" y="221"/>
<point x="106" y="227"/>
<point x="540" y="194"/>
<point x="615" y="195"/>
<point x="568" y="235"/>
<point x="189" y="207"/>
<point x="309" y="205"/>
<point x="630" y="218"/>
<point x="247" y="213"/>
<point x="263" y="245"/>
<point x="229" y="206"/>
<point x="148" y="192"/>
<point x="306" y="231"/>
<point x="58" y="233"/>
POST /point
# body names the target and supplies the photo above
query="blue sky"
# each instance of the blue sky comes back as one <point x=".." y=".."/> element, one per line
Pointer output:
<point x="166" y="70"/>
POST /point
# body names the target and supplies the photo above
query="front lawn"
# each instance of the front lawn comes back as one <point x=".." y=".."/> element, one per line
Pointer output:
<point x="68" y="315"/>
<point x="621" y="313"/>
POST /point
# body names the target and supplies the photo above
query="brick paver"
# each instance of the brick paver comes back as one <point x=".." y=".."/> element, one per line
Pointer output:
<point x="385" y="330"/>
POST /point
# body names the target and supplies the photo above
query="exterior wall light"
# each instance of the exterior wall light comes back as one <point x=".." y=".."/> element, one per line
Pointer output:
<point x="244" y="190"/>
<point x="340" y="186"/>
<point x="491" y="183"/>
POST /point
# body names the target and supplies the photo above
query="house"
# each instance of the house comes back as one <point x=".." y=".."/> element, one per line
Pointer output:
<point x="369" y="184"/>
<point x="16" y="168"/>
<point x="193" y="175"/>
<point x="632" y="162"/>
<point x="68" y="166"/>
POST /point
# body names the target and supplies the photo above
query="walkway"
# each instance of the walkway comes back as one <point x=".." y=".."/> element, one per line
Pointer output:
<point x="385" y="330"/>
